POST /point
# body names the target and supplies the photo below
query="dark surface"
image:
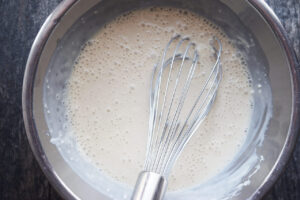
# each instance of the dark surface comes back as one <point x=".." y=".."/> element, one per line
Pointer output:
<point x="20" y="175"/>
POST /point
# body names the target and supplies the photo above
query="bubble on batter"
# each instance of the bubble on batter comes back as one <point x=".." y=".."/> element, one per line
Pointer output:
<point x="107" y="96"/>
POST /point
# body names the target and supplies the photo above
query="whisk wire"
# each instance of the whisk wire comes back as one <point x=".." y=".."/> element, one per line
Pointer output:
<point x="170" y="106"/>
<point x="155" y="91"/>
<point x="151" y="117"/>
<point x="174" y="124"/>
<point x="167" y="135"/>
<point x="186" y="134"/>
<point x="164" y="99"/>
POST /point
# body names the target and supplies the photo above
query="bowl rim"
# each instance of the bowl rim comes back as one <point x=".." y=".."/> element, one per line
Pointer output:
<point x="273" y="21"/>
<point x="32" y="63"/>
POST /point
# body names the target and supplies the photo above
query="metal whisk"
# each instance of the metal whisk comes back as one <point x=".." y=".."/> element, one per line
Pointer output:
<point x="175" y="111"/>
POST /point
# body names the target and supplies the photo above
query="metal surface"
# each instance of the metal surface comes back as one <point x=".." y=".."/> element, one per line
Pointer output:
<point x="254" y="14"/>
<point x="169" y="127"/>
<point x="149" y="186"/>
<point x="294" y="128"/>
<point x="27" y="102"/>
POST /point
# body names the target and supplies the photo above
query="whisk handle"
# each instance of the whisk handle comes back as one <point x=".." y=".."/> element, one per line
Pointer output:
<point x="149" y="186"/>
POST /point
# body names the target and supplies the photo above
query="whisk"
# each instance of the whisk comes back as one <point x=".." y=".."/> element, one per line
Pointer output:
<point x="175" y="111"/>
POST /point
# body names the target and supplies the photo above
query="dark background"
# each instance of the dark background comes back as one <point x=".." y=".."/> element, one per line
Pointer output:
<point x="20" y="175"/>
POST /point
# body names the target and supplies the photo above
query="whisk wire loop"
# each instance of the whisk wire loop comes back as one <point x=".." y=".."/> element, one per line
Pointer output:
<point x="163" y="107"/>
<point x="167" y="134"/>
<point x="174" y="124"/>
<point x="184" y="136"/>
<point x="154" y="96"/>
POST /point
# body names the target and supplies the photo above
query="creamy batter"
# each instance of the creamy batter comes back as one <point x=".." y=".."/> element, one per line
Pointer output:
<point x="107" y="97"/>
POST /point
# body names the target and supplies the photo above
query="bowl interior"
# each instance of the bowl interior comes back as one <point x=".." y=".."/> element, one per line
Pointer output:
<point x="267" y="64"/>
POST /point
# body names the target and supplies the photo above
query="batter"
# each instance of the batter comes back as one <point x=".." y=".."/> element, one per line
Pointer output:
<point x="107" y="97"/>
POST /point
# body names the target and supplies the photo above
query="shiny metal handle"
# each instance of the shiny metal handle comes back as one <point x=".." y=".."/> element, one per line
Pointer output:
<point x="149" y="186"/>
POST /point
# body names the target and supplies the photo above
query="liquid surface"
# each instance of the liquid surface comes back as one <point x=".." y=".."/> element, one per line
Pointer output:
<point x="107" y="97"/>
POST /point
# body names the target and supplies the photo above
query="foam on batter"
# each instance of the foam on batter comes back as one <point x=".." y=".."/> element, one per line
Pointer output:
<point x="107" y="96"/>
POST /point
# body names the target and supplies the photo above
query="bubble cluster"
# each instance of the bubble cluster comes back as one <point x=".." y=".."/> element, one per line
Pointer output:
<point x="107" y="96"/>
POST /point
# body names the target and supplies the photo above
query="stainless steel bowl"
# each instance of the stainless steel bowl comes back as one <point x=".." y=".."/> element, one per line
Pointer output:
<point x="255" y="30"/>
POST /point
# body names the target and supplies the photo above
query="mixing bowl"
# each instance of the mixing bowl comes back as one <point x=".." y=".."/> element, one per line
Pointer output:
<point x="253" y="28"/>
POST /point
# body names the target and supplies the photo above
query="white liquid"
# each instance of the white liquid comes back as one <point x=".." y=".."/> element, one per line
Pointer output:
<point x="108" y="97"/>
